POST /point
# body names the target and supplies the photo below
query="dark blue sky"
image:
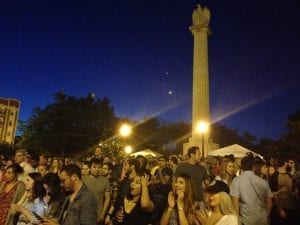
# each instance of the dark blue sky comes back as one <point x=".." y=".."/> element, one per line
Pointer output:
<point x="136" y="51"/>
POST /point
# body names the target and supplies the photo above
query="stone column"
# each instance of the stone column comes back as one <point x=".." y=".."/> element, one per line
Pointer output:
<point x="200" y="30"/>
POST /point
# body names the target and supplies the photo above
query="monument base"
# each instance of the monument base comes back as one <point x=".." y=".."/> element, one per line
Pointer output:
<point x="209" y="146"/>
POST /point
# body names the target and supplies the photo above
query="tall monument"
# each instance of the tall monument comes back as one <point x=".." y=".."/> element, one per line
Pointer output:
<point x="200" y="113"/>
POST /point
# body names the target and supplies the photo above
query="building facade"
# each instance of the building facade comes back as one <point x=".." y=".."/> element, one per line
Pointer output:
<point x="9" y="113"/>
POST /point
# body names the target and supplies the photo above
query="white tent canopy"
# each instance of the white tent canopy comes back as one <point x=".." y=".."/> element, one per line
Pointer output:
<point x="237" y="150"/>
<point x="146" y="153"/>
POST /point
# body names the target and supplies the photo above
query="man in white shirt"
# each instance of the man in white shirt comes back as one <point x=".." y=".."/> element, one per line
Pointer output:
<point x="20" y="158"/>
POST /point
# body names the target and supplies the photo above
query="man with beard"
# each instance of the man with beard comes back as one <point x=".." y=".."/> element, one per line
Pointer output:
<point x="281" y="184"/>
<point x="78" y="208"/>
<point x="99" y="185"/>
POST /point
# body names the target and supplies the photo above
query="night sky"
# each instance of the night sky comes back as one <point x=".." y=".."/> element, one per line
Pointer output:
<point x="138" y="53"/>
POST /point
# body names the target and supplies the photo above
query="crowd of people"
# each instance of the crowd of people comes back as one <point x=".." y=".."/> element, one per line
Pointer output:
<point x="173" y="190"/>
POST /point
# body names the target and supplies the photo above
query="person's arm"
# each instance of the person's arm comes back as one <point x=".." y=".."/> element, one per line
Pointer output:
<point x="280" y="210"/>
<point x="109" y="214"/>
<point x="202" y="218"/>
<point x="146" y="203"/>
<point x="105" y="205"/>
<point x="182" y="217"/>
<point x="167" y="214"/>
<point x="183" y="220"/>
<point x="28" y="215"/>
<point x="206" y="183"/>
<point x="269" y="205"/>
<point x="235" y="202"/>
<point x="50" y="221"/>
<point x="206" y="178"/>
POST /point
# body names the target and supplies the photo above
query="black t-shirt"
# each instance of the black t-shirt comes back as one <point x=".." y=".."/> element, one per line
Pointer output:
<point x="136" y="217"/>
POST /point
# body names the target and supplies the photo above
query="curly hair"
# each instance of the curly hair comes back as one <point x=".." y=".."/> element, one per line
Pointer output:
<point x="223" y="174"/>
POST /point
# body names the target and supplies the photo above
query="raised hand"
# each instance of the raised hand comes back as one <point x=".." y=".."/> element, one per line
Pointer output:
<point x="180" y="195"/>
<point x="145" y="180"/>
<point x="171" y="199"/>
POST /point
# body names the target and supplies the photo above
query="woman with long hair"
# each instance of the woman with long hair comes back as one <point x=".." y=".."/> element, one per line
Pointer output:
<point x="34" y="189"/>
<point x="48" y="204"/>
<point x="136" y="207"/>
<point x="222" y="213"/>
<point x="181" y="207"/>
<point x="55" y="165"/>
<point x="227" y="172"/>
<point x="11" y="191"/>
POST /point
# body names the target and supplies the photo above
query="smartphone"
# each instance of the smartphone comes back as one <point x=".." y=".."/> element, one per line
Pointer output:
<point x="37" y="216"/>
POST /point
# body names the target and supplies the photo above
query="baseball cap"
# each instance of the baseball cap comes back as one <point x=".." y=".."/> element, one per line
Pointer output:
<point x="217" y="186"/>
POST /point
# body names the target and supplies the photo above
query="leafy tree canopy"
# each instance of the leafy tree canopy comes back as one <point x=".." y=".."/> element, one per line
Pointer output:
<point x="291" y="140"/>
<point x="69" y="125"/>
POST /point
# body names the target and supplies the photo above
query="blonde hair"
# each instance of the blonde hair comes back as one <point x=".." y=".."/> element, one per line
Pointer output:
<point x="23" y="151"/>
<point x="223" y="174"/>
<point x="226" y="206"/>
<point x="59" y="164"/>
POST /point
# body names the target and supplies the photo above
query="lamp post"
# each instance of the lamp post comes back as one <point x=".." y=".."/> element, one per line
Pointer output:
<point x="128" y="150"/>
<point x="125" y="131"/>
<point x="202" y="128"/>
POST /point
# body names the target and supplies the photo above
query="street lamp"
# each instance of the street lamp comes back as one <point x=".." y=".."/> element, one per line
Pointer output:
<point x="125" y="130"/>
<point x="128" y="149"/>
<point x="202" y="128"/>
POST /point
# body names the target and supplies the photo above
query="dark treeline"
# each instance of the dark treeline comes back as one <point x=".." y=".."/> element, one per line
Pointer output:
<point x="73" y="125"/>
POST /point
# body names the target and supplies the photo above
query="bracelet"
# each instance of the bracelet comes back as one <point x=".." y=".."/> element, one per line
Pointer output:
<point x="170" y="209"/>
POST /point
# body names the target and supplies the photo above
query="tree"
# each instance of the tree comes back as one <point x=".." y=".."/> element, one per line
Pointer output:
<point x="173" y="135"/>
<point x="6" y="149"/>
<point x="270" y="148"/>
<point x="224" y="136"/>
<point x="291" y="140"/>
<point x="69" y="125"/>
<point x="145" y="134"/>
